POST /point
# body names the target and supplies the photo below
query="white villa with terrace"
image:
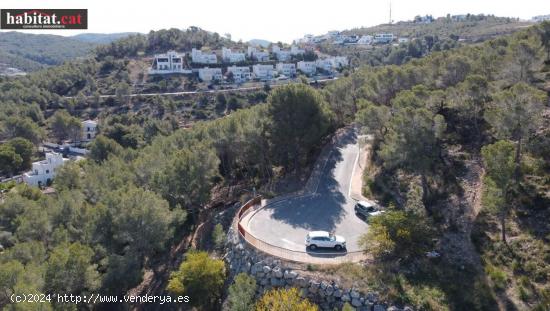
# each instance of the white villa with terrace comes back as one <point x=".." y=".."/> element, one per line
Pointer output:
<point x="210" y="74"/>
<point x="365" y="40"/>
<point x="287" y="69"/>
<point x="240" y="74"/>
<point x="171" y="62"/>
<point x="263" y="72"/>
<point x="44" y="171"/>
<point x="232" y="57"/>
<point x="308" y="68"/>
<point x="197" y="56"/>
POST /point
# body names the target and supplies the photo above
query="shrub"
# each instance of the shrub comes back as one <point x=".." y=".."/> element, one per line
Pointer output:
<point x="218" y="236"/>
<point x="284" y="300"/>
<point x="199" y="277"/>
<point x="241" y="293"/>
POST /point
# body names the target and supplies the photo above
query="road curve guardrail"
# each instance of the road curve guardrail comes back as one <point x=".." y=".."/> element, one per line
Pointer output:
<point x="303" y="257"/>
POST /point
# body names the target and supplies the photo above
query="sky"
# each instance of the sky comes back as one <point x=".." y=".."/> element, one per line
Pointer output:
<point x="273" y="20"/>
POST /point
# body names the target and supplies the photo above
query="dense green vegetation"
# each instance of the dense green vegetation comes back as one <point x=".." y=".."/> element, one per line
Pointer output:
<point x="147" y="182"/>
<point x="433" y="120"/>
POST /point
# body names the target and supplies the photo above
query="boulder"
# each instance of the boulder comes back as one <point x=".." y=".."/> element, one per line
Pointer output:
<point x="345" y="297"/>
<point x="290" y="274"/>
<point x="266" y="269"/>
<point x="338" y="293"/>
<point x="356" y="302"/>
<point x="300" y="281"/>
<point x="277" y="272"/>
<point x="329" y="290"/>
<point x="324" y="285"/>
<point x="379" y="308"/>
<point x="372" y="297"/>
<point x="354" y="294"/>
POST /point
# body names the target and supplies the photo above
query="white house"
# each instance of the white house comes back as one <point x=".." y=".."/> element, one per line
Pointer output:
<point x="338" y="61"/>
<point x="324" y="64"/>
<point x="308" y="68"/>
<point x="541" y="18"/>
<point x="402" y="40"/>
<point x="197" y="56"/>
<point x="263" y="72"/>
<point x="260" y="56"/>
<point x="383" y="38"/>
<point x="281" y="55"/>
<point x="89" y="130"/>
<point x="171" y="62"/>
<point x="294" y="50"/>
<point x="240" y="74"/>
<point x="365" y="40"/>
<point x="210" y="74"/>
<point x="287" y="69"/>
<point x="44" y="171"/>
<point x="232" y="57"/>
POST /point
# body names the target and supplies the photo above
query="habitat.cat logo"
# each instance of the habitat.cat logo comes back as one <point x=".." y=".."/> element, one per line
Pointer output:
<point x="44" y="19"/>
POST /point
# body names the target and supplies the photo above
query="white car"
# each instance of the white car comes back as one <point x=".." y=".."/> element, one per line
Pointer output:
<point x="316" y="239"/>
<point x="367" y="209"/>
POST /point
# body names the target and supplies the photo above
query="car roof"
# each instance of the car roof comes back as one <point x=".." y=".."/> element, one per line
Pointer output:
<point x="319" y="234"/>
<point x="365" y="203"/>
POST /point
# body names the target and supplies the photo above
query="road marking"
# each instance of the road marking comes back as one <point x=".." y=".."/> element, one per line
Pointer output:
<point x="353" y="171"/>
<point x="290" y="242"/>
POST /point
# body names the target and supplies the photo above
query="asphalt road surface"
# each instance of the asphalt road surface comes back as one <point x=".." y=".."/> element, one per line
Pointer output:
<point x="286" y="223"/>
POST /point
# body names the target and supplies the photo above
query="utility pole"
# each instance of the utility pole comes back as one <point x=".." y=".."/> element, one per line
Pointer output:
<point x="390" y="13"/>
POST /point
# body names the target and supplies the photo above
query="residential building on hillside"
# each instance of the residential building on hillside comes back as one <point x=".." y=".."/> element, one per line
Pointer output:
<point x="281" y="55"/>
<point x="365" y="40"/>
<point x="541" y="18"/>
<point x="383" y="38"/>
<point x="210" y="74"/>
<point x="307" y="68"/>
<point x="426" y="19"/>
<point x="257" y="55"/>
<point x="287" y="69"/>
<point x="338" y="61"/>
<point x="229" y="56"/>
<point x="459" y="18"/>
<point x="402" y="40"/>
<point x="294" y="50"/>
<point x="89" y="130"/>
<point x="44" y="171"/>
<point x="324" y="65"/>
<point x="170" y="62"/>
<point x="263" y="72"/>
<point x="240" y="74"/>
<point x="197" y="56"/>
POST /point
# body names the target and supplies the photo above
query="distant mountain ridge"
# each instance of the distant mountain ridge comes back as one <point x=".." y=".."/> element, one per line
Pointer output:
<point x="30" y="52"/>
<point x="259" y="42"/>
<point x="102" y="38"/>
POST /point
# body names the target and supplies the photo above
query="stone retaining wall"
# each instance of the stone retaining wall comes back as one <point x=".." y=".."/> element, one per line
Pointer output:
<point x="274" y="273"/>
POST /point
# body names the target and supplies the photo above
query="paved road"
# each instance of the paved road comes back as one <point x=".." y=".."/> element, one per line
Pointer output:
<point x="286" y="223"/>
<point x="249" y="88"/>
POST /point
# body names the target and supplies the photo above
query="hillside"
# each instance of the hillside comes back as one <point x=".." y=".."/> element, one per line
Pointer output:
<point x="30" y="52"/>
<point x="459" y="161"/>
<point x="472" y="28"/>
<point x="102" y="38"/>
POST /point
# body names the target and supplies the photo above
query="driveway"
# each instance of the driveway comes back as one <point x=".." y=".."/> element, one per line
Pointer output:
<point x="286" y="223"/>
